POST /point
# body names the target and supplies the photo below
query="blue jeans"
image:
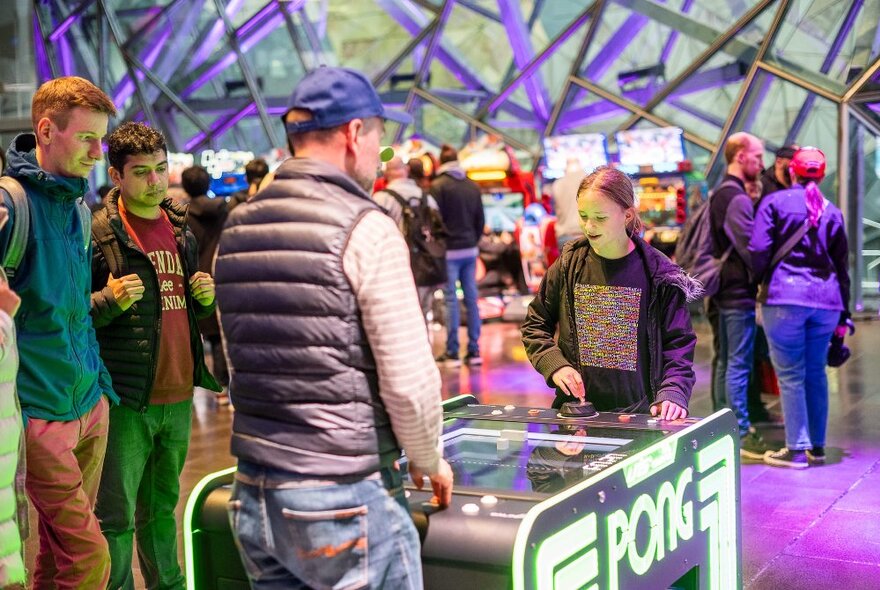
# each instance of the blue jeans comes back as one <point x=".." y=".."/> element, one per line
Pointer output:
<point x="294" y="532"/>
<point x="736" y="344"/>
<point x="140" y="487"/>
<point x="465" y="271"/>
<point x="799" y="338"/>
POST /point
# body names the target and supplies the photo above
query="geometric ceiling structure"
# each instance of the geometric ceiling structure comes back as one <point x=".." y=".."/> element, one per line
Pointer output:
<point x="217" y="73"/>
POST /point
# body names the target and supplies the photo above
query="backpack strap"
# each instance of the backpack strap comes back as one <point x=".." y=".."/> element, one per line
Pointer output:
<point x="397" y="197"/>
<point x="21" y="224"/>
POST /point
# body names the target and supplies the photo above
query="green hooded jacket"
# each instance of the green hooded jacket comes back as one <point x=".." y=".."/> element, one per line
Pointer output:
<point x="62" y="376"/>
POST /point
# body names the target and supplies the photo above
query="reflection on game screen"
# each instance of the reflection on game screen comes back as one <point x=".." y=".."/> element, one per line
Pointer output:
<point x="522" y="461"/>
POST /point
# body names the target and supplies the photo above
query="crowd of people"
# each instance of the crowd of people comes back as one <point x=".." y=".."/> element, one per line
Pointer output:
<point x="316" y="330"/>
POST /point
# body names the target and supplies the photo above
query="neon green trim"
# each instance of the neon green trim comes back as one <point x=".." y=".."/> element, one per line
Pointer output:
<point x="522" y="534"/>
<point x="655" y="459"/>
<point x="569" y="541"/>
<point x="187" y="523"/>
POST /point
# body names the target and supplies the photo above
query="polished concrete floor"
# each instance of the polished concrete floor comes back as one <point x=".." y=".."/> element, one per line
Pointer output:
<point x="816" y="528"/>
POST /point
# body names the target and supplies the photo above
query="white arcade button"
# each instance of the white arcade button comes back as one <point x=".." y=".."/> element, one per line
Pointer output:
<point x="488" y="500"/>
<point x="470" y="509"/>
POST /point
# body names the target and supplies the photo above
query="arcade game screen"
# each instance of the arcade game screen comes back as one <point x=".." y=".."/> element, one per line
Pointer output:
<point x="502" y="457"/>
<point x="590" y="149"/>
<point x="502" y="210"/>
<point x="661" y="148"/>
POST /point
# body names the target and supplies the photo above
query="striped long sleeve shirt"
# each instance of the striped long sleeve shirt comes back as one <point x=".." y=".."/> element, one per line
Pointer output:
<point x="376" y="262"/>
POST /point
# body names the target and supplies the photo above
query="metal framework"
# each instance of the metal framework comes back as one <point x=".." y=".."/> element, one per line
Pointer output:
<point x="167" y="62"/>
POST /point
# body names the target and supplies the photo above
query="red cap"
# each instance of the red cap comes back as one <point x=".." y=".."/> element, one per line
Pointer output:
<point x="808" y="162"/>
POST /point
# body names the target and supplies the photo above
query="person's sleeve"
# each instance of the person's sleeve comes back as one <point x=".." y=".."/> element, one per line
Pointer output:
<point x="539" y="327"/>
<point x="105" y="308"/>
<point x="192" y="252"/>
<point x="838" y="250"/>
<point x="376" y="263"/>
<point x="104" y="380"/>
<point x="738" y="225"/>
<point x="761" y="242"/>
<point x="679" y="342"/>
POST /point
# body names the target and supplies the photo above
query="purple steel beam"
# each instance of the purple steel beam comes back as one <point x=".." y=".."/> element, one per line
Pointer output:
<point x="256" y="34"/>
<point x="148" y="26"/>
<point x="833" y="52"/>
<point x="209" y="44"/>
<point x="760" y="94"/>
<point x="68" y="67"/>
<point x="220" y="126"/>
<point x="616" y="45"/>
<point x="523" y="54"/>
<point x="125" y="88"/>
<point x="407" y="20"/>
<point x="599" y="110"/>
<point x="44" y="67"/>
<point x="673" y="36"/>
<point x="64" y="25"/>
<point x="695" y="112"/>
<point x="253" y="22"/>
<point x="537" y="62"/>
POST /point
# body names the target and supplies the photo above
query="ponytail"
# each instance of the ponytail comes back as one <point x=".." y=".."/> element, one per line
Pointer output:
<point x="815" y="201"/>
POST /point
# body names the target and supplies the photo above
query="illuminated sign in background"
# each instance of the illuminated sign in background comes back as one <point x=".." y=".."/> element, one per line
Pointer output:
<point x="643" y="523"/>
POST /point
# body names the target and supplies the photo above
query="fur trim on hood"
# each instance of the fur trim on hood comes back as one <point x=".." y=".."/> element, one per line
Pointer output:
<point x="661" y="270"/>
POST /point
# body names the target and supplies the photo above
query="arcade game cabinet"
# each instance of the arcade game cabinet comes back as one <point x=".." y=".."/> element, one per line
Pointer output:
<point x="544" y="499"/>
<point x="512" y="254"/>
<point x="662" y="178"/>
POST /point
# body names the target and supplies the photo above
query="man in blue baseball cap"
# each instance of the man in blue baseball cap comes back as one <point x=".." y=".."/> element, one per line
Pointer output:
<point x="331" y="370"/>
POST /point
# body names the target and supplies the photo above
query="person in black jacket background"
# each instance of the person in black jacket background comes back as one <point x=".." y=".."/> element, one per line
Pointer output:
<point x="147" y="295"/>
<point x="206" y="218"/>
<point x="461" y="206"/>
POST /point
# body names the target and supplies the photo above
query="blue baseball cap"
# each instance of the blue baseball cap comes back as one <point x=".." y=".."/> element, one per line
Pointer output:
<point x="335" y="96"/>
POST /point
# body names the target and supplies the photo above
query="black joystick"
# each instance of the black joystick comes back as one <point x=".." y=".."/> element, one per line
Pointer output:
<point x="579" y="409"/>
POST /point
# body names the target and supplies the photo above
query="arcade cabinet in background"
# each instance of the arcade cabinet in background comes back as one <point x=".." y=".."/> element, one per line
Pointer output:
<point x="503" y="274"/>
<point x="663" y="178"/>
<point x="564" y="154"/>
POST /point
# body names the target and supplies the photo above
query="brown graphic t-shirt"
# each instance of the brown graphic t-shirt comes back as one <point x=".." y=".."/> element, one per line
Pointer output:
<point x="611" y="304"/>
<point x="174" y="370"/>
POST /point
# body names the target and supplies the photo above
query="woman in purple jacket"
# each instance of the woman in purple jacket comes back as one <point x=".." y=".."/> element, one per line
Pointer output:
<point x="805" y="301"/>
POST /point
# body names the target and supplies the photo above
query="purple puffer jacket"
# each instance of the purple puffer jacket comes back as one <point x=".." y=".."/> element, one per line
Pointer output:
<point x="815" y="272"/>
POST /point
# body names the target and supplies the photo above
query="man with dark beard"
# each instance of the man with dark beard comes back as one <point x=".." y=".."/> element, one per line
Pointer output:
<point x="777" y="177"/>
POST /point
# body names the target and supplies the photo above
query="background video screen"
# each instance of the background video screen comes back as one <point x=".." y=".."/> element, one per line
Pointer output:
<point x="591" y="150"/>
<point x="661" y="148"/>
<point x="502" y="210"/>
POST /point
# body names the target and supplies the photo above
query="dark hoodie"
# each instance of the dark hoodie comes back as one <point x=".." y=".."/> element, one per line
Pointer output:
<point x="206" y="218"/>
<point x="61" y="376"/>
<point x="671" y="338"/>
<point x="461" y="206"/>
